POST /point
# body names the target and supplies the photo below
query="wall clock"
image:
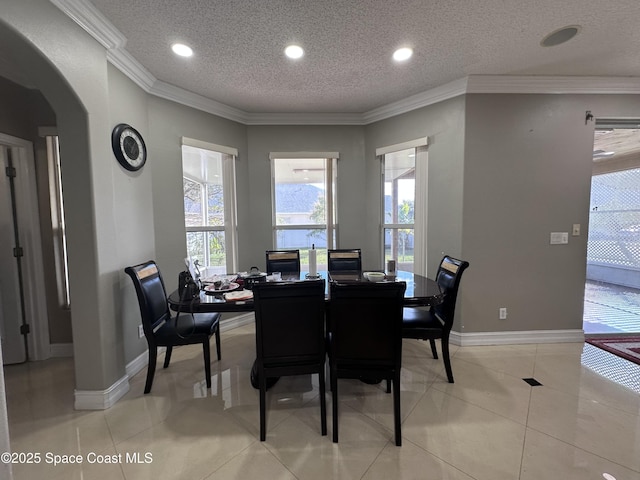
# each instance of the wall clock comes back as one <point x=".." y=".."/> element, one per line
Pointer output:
<point x="128" y="147"/>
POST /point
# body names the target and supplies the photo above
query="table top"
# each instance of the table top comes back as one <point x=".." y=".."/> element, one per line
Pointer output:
<point x="420" y="291"/>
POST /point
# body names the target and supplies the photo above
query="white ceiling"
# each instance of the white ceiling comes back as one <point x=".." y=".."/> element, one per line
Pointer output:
<point x="347" y="68"/>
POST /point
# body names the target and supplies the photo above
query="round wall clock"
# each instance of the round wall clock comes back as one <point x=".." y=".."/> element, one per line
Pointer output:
<point x="128" y="147"/>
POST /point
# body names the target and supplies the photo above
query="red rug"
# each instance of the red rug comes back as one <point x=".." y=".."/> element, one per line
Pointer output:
<point x="625" y="346"/>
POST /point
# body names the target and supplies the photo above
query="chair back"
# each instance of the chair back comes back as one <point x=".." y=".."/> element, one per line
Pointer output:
<point x="448" y="278"/>
<point x="365" y="324"/>
<point x="286" y="261"/>
<point x="152" y="297"/>
<point x="290" y="322"/>
<point x="344" y="259"/>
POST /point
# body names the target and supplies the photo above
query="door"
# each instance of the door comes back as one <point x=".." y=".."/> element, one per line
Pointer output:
<point x="13" y="345"/>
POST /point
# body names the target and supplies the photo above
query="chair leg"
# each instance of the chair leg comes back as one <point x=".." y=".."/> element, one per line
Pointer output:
<point x="323" y="401"/>
<point x="433" y="348"/>
<point x="151" y="368"/>
<point x="167" y="356"/>
<point x="218" y="342"/>
<point x="207" y="362"/>
<point x="447" y="359"/>
<point x="388" y="385"/>
<point x="396" y="408"/>
<point x="334" y="404"/>
<point x="263" y="405"/>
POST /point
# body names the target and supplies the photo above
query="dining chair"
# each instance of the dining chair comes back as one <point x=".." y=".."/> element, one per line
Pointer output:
<point x="285" y="261"/>
<point x="344" y="259"/>
<point x="365" y="339"/>
<point x="163" y="330"/>
<point x="290" y="319"/>
<point x="436" y="322"/>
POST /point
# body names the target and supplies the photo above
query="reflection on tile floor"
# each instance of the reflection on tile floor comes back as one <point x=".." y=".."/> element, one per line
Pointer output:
<point x="610" y="308"/>
<point x="489" y="425"/>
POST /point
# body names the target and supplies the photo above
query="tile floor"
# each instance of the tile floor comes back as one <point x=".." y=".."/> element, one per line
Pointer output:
<point x="489" y="425"/>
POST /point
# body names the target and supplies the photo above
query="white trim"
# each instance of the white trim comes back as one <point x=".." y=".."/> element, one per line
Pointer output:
<point x="517" y="337"/>
<point x="424" y="99"/>
<point x="546" y="84"/>
<point x="128" y="65"/>
<point x="101" y="399"/>
<point x="58" y="350"/>
<point x="418" y="142"/>
<point x="274" y="155"/>
<point x="192" y="142"/>
<point x="86" y="15"/>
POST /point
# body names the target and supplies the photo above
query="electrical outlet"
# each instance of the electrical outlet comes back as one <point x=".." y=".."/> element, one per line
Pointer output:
<point x="503" y="313"/>
<point x="140" y="331"/>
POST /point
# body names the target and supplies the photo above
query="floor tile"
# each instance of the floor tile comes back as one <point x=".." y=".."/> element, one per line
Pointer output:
<point x="547" y="457"/>
<point x="587" y="424"/>
<point x="476" y="441"/>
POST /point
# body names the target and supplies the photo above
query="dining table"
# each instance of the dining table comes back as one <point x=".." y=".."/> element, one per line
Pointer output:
<point x="420" y="291"/>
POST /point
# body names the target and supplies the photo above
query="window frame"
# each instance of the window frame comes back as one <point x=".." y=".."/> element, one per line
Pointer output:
<point x="330" y="226"/>
<point x="230" y="223"/>
<point x="420" y="206"/>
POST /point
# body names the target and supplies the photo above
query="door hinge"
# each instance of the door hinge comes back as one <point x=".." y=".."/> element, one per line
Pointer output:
<point x="25" y="329"/>
<point x="18" y="252"/>
<point x="10" y="171"/>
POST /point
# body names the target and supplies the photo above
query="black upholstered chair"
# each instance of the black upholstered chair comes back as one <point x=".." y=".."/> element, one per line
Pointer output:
<point x="436" y="322"/>
<point x="290" y="336"/>
<point x="285" y="261"/>
<point x="163" y="330"/>
<point x="365" y="340"/>
<point x="344" y="259"/>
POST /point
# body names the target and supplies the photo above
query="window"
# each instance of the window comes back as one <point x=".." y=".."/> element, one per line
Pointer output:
<point x="404" y="182"/>
<point x="57" y="220"/>
<point x="208" y="173"/>
<point x="304" y="203"/>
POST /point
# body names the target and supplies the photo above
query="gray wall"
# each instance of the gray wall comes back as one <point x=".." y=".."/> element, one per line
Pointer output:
<point x="527" y="172"/>
<point x="352" y="167"/>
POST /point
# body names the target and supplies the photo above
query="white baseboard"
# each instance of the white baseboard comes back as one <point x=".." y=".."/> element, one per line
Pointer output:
<point x="101" y="399"/>
<point x="517" y="337"/>
<point x="61" y="350"/>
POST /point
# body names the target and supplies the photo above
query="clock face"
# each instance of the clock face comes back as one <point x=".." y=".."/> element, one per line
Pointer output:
<point x="128" y="147"/>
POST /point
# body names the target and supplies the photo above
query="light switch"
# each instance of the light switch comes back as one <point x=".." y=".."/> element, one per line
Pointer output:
<point x="559" y="238"/>
<point x="576" y="230"/>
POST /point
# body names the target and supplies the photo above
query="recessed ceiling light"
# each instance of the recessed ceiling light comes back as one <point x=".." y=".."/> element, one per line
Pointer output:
<point x="402" y="54"/>
<point x="294" y="51"/>
<point x="560" y="36"/>
<point x="182" y="50"/>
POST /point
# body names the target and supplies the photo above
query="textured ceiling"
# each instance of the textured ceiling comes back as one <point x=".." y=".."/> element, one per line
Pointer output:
<point x="347" y="68"/>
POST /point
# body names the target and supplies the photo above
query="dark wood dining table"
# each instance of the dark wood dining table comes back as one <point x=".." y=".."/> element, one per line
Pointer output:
<point x="420" y="291"/>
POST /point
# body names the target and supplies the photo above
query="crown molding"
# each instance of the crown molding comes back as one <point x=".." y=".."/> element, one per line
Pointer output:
<point x="304" y="119"/>
<point x="99" y="27"/>
<point x="93" y="22"/>
<point x="424" y="99"/>
<point x="190" y="99"/>
<point x="546" y="84"/>
<point x="128" y="65"/>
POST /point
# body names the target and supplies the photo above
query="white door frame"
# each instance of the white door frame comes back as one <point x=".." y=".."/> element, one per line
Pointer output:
<point x="29" y="225"/>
